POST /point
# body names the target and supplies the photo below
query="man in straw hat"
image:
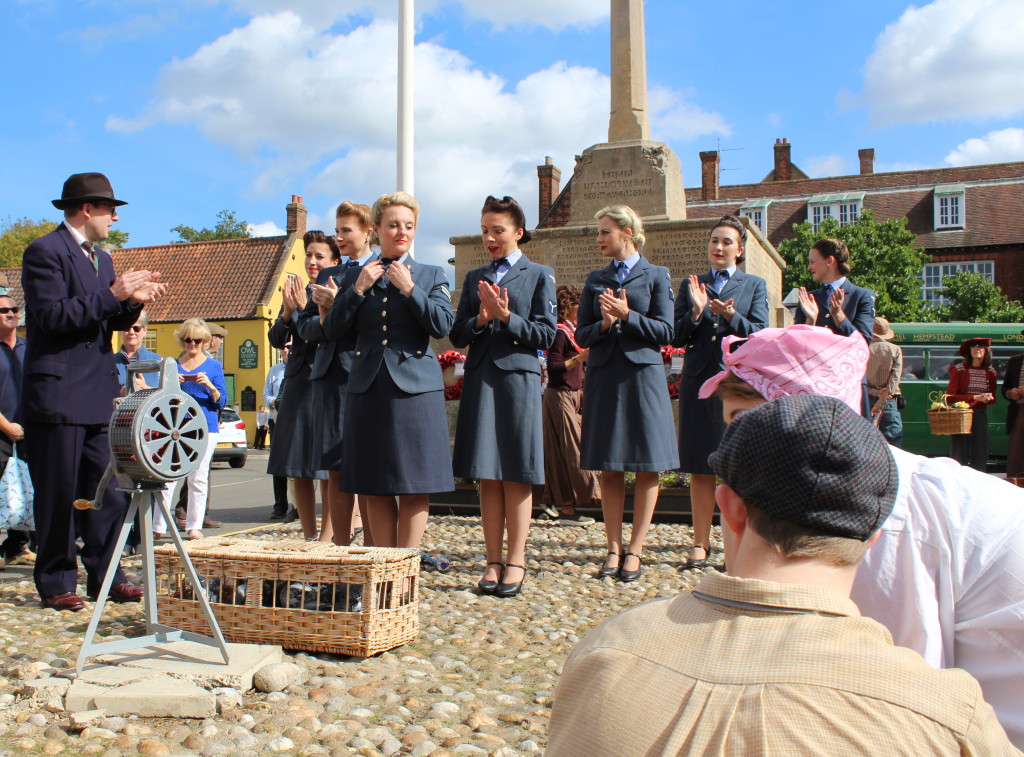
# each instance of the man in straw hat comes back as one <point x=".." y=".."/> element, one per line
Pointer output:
<point x="774" y="658"/>
<point x="74" y="303"/>
<point x="885" y="367"/>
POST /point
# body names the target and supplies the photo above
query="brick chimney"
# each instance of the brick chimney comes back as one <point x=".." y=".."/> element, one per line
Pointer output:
<point x="867" y="160"/>
<point x="709" y="165"/>
<point x="549" y="178"/>
<point x="296" y="223"/>
<point x="783" y="165"/>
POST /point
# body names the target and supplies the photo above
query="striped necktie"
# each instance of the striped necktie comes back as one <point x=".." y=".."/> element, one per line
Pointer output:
<point x="90" y="252"/>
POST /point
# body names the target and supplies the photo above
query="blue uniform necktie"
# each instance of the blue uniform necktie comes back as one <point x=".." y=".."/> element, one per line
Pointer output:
<point x="721" y="279"/>
<point x="621" y="270"/>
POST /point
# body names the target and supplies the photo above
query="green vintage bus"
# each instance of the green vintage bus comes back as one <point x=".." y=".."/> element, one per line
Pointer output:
<point x="928" y="351"/>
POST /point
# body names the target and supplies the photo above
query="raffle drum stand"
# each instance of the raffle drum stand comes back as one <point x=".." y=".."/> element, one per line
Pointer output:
<point x="157" y="436"/>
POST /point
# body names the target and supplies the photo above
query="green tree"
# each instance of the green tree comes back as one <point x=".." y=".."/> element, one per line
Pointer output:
<point x="971" y="297"/>
<point x="228" y="227"/>
<point x="16" y="235"/>
<point x="117" y="239"/>
<point x="882" y="257"/>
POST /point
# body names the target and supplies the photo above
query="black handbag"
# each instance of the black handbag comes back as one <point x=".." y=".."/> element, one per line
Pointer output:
<point x="901" y="401"/>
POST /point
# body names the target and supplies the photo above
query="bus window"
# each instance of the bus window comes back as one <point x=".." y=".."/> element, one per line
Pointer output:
<point x="939" y="360"/>
<point x="1000" y="356"/>
<point x="913" y="364"/>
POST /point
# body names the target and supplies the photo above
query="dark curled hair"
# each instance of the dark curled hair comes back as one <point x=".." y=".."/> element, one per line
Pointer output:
<point x="508" y="205"/>
<point x="732" y="221"/>
<point x="567" y="296"/>
<point x="315" y="236"/>
<point x="834" y="248"/>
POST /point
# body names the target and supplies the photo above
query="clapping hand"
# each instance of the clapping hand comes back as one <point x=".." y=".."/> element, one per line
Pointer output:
<point x="698" y="297"/>
<point x="494" y="302"/>
<point x="140" y="287"/>
<point x="725" y="309"/>
<point x="323" y="295"/>
<point x="613" y="307"/>
<point x="835" y="306"/>
<point x="808" y="304"/>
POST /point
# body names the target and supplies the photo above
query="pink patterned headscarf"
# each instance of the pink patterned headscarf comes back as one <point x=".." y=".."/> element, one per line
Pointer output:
<point x="796" y="360"/>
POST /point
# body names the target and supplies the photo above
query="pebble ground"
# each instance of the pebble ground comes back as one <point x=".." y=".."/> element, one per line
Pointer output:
<point x="478" y="680"/>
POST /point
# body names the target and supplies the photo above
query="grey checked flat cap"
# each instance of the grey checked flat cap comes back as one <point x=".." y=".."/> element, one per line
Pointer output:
<point x="812" y="461"/>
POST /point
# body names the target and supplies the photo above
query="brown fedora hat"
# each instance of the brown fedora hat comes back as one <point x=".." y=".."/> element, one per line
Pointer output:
<point x="86" y="187"/>
<point x="882" y="329"/>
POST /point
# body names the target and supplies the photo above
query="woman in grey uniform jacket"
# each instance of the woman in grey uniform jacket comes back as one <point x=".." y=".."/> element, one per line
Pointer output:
<point x="506" y="313"/>
<point x="395" y="440"/>
<point x="724" y="301"/>
<point x="328" y="377"/>
<point x="625" y="316"/>
<point x="290" y="451"/>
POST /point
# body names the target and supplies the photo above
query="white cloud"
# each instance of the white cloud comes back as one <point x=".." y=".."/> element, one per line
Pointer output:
<point x="950" y="59"/>
<point x="538" y="12"/>
<point x="1003" y="146"/>
<point x="827" y="165"/>
<point x="314" y="112"/>
<point x="265" y="229"/>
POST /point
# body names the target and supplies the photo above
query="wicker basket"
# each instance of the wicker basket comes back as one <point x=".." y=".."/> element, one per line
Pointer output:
<point x="946" y="420"/>
<point x="302" y="595"/>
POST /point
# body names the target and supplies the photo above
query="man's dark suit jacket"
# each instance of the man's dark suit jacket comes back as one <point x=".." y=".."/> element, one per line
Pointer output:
<point x="71" y="315"/>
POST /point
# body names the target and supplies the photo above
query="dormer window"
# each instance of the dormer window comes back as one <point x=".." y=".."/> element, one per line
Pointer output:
<point x="949" y="206"/>
<point x="757" y="212"/>
<point x="845" y="207"/>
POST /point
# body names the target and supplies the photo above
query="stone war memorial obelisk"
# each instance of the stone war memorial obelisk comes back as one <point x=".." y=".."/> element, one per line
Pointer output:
<point x="628" y="169"/>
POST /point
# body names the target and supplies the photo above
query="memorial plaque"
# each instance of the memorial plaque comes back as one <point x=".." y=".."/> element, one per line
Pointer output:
<point x="249" y="399"/>
<point x="248" y="354"/>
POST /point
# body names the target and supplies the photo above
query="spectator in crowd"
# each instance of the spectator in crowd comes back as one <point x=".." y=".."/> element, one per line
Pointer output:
<point x="774" y="657"/>
<point x="625" y="316"/>
<point x="262" y="419"/>
<point x="395" y="446"/>
<point x="271" y="390"/>
<point x="202" y="378"/>
<point x="974" y="382"/>
<point x="74" y="303"/>
<point x="1013" y="392"/>
<point x="946" y="576"/>
<point x="217" y="334"/>
<point x="885" y="366"/>
<point x="294" y="454"/>
<point x="505" y="315"/>
<point x="330" y="372"/>
<point x="713" y="305"/>
<point x="566" y="485"/>
<point x="15" y="548"/>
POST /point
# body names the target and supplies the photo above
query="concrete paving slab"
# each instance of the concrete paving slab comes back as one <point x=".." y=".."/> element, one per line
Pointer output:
<point x="159" y="696"/>
<point x="201" y="664"/>
<point x="109" y="675"/>
<point x="82" y="696"/>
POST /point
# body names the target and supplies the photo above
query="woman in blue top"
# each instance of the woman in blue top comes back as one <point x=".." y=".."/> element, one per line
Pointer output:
<point x="202" y="378"/>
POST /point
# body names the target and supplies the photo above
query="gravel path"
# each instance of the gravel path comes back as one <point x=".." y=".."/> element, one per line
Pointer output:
<point x="478" y="680"/>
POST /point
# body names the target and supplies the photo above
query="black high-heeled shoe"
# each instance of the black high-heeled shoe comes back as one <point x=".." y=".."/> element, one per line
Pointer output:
<point x="626" y="576"/>
<point x="488" y="587"/>
<point x="605" y="571"/>
<point x="510" y="589"/>
<point x="692" y="564"/>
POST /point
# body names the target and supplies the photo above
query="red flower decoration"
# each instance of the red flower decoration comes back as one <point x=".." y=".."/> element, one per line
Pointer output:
<point x="445" y="359"/>
<point x="668" y="351"/>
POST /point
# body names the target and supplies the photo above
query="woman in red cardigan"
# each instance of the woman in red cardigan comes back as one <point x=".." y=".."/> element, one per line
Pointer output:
<point x="973" y="382"/>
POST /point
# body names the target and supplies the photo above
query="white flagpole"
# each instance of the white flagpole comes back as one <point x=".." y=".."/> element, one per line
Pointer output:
<point x="406" y="40"/>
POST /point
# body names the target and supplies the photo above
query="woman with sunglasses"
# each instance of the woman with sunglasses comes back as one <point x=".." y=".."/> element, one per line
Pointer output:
<point x="133" y="350"/>
<point x="202" y="378"/>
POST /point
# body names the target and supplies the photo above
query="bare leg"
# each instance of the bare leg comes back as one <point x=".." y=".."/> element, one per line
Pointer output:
<point x="326" y="516"/>
<point x="645" y="497"/>
<point x="492" y="515"/>
<point x="305" y="505"/>
<point x="413" y="510"/>
<point x="702" y="500"/>
<point x="363" y="502"/>
<point x="613" y="502"/>
<point x="518" y="509"/>
<point x="383" y="517"/>
<point x="339" y="504"/>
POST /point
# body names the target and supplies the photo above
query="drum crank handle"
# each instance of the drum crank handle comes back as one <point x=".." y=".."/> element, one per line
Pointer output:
<point x="97" y="504"/>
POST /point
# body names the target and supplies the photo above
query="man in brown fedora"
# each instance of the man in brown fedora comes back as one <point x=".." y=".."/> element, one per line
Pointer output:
<point x="74" y="303"/>
<point x="885" y="367"/>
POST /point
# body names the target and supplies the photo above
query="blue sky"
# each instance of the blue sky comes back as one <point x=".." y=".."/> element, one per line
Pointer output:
<point x="194" y="106"/>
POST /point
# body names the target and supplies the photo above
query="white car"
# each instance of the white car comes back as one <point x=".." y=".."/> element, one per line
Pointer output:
<point x="231" y="444"/>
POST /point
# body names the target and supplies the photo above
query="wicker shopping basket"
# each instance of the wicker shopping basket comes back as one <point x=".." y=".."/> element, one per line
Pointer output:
<point x="310" y="596"/>
<point x="946" y="419"/>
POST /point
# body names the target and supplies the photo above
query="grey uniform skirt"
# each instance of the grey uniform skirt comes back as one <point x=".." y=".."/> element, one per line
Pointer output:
<point x="329" y="410"/>
<point x="292" y="450"/>
<point x="499" y="433"/>
<point x="701" y="424"/>
<point x="395" y="442"/>
<point x="627" y="418"/>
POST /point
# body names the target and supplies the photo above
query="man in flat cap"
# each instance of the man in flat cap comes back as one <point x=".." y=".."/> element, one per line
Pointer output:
<point x="774" y="658"/>
<point x="74" y="302"/>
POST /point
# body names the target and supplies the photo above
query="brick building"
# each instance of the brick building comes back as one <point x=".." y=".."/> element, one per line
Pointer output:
<point x="967" y="218"/>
